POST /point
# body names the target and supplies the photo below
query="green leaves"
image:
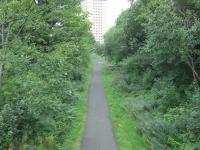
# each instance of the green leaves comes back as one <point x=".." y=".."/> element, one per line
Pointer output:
<point x="44" y="69"/>
<point x="156" y="46"/>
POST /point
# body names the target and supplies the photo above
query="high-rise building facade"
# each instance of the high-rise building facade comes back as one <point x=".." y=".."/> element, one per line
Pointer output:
<point x="98" y="16"/>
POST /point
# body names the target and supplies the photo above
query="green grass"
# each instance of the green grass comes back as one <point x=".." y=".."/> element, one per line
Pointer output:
<point x="74" y="137"/>
<point x="125" y="127"/>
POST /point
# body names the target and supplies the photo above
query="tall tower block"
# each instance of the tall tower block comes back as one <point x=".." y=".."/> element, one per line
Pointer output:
<point x="98" y="16"/>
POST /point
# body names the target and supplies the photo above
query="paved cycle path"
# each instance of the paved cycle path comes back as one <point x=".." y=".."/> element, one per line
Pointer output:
<point x="98" y="133"/>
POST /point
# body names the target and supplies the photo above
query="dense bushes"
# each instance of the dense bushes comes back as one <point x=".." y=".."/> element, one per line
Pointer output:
<point x="156" y="45"/>
<point x="43" y="57"/>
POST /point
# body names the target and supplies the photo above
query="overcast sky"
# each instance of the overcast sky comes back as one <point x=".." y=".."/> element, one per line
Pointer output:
<point x="115" y="7"/>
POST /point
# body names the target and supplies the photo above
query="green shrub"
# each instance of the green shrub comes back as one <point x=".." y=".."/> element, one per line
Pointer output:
<point x="43" y="71"/>
<point x="157" y="56"/>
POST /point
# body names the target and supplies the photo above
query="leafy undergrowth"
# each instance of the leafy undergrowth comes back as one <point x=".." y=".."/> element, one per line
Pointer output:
<point x="74" y="137"/>
<point x="125" y="127"/>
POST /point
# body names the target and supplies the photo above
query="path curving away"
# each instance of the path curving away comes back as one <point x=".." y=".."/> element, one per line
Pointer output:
<point x="98" y="133"/>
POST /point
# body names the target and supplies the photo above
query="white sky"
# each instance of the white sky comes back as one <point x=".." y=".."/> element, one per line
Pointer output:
<point x="115" y="7"/>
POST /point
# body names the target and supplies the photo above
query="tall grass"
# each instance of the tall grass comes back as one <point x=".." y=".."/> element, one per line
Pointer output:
<point x="127" y="135"/>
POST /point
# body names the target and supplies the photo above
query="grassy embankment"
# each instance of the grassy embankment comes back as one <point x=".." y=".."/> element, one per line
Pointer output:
<point x="125" y="126"/>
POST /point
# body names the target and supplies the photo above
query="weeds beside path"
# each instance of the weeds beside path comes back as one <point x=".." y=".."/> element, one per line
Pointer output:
<point x="74" y="137"/>
<point x="124" y="126"/>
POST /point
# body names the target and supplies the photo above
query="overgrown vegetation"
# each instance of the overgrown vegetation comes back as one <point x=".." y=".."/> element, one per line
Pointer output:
<point x="74" y="137"/>
<point x="43" y="58"/>
<point x="156" y="46"/>
<point x="125" y="127"/>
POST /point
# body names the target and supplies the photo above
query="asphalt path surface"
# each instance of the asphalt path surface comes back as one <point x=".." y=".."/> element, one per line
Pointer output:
<point x="98" y="133"/>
